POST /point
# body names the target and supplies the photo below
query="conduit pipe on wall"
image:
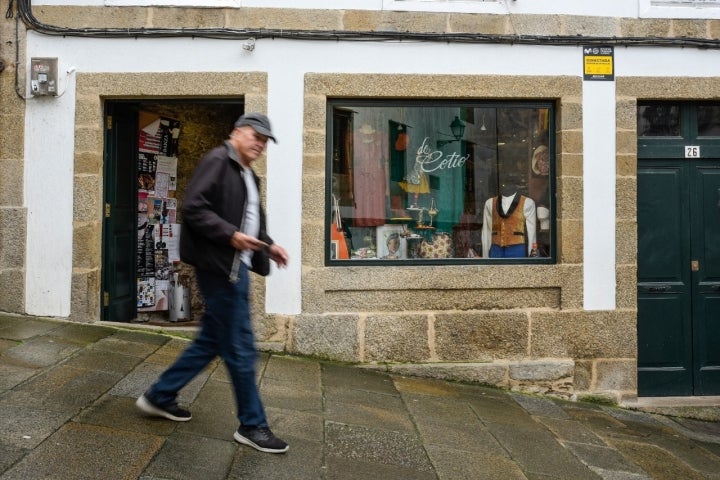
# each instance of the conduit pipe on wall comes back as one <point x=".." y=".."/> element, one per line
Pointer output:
<point x="25" y="11"/>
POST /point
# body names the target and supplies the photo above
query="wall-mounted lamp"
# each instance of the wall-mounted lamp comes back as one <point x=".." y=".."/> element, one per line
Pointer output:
<point x="457" y="127"/>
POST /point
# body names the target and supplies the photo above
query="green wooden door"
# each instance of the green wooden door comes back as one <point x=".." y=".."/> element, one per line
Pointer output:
<point x="664" y="302"/>
<point x="705" y="248"/>
<point x="120" y="226"/>
<point x="678" y="277"/>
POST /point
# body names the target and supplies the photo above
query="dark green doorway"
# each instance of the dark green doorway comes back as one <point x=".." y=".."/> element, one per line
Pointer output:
<point x="678" y="198"/>
<point x="204" y="124"/>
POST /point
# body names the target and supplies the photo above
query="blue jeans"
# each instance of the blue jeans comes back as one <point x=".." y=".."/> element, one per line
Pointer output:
<point x="513" y="251"/>
<point x="226" y="331"/>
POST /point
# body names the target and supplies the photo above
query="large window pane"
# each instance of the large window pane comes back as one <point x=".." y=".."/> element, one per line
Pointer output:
<point x="708" y="119"/>
<point x="658" y="120"/>
<point x="439" y="181"/>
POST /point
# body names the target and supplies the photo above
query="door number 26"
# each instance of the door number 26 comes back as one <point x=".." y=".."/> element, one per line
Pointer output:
<point x="692" y="151"/>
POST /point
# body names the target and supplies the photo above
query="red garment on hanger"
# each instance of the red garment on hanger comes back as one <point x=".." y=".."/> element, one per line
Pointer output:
<point x="370" y="179"/>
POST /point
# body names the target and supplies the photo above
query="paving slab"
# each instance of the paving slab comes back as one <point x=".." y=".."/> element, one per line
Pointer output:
<point x="81" y="452"/>
<point x="62" y="389"/>
<point x="375" y="445"/>
<point x="537" y="450"/>
<point x="81" y="333"/>
<point x="539" y="406"/>
<point x="287" y="394"/>
<point x="357" y="379"/>
<point x="7" y="344"/>
<point x="346" y="469"/>
<point x="192" y="457"/>
<point x="370" y="409"/>
<point x="41" y="351"/>
<point x="472" y="438"/>
<point x="25" y="426"/>
<point x="297" y="424"/>
<point x="13" y="375"/>
<point x="657" y="462"/>
<point x="110" y="362"/>
<point x="127" y="346"/>
<point x="9" y="455"/>
<point x="571" y="431"/>
<point x="214" y="412"/>
<point x="23" y="328"/>
<point x="120" y="412"/>
<point x="303" y="461"/>
<point x="451" y="464"/>
<point x="602" y="457"/>
<point x="139" y="380"/>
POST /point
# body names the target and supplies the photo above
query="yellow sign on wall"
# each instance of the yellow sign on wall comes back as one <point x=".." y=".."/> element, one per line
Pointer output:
<point x="598" y="63"/>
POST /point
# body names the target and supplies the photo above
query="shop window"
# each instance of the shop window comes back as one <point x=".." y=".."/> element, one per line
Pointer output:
<point x="440" y="182"/>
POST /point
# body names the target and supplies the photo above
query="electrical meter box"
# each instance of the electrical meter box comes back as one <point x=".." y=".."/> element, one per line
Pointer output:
<point x="43" y="76"/>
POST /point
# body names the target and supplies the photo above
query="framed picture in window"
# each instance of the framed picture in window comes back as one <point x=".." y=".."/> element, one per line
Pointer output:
<point x="391" y="244"/>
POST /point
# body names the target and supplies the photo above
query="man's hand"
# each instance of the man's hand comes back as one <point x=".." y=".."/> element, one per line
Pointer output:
<point x="279" y="255"/>
<point x="240" y="241"/>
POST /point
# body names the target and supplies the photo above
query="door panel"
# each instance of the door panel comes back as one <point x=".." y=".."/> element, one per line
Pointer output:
<point x="120" y="228"/>
<point x="706" y="250"/>
<point x="662" y="200"/>
<point x="664" y="302"/>
<point x="707" y="322"/>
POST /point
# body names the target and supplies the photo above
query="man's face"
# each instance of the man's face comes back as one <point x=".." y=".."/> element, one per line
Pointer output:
<point x="249" y="143"/>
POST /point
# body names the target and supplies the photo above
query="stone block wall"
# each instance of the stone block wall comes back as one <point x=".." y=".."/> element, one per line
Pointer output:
<point x="13" y="213"/>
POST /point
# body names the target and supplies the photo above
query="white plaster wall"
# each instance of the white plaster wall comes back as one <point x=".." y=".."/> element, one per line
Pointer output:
<point x="49" y="132"/>
<point x="599" y="195"/>
<point x="48" y="189"/>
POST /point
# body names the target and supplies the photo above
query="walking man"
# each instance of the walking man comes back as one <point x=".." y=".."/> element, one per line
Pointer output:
<point x="224" y="237"/>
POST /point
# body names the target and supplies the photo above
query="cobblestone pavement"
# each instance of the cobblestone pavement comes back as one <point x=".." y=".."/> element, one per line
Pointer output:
<point x="67" y="395"/>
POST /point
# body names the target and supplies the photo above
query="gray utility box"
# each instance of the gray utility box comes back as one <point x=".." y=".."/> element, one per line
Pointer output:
<point x="43" y="76"/>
